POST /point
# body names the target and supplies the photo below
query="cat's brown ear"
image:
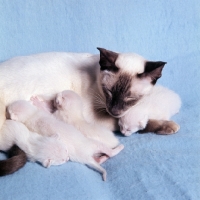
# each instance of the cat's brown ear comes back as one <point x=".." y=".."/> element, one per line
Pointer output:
<point x="107" y="60"/>
<point x="153" y="70"/>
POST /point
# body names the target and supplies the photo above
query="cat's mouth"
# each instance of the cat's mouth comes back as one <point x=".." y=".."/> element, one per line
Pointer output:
<point x="116" y="113"/>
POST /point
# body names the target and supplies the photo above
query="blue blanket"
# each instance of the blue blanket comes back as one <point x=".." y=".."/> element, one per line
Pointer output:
<point x="151" y="167"/>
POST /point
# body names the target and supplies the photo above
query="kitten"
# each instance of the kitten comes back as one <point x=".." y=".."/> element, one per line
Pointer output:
<point x="161" y="104"/>
<point x="69" y="108"/>
<point x="80" y="148"/>
<point x="48" y="151"/>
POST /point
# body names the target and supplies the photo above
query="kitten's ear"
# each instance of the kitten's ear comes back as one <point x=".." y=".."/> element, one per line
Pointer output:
<point x="47" y="163"/>
<point x="143" y="122"/>
<point x="107" y="60"/>
<point x="13" y="116"/>
<point x="153" y="70"/>
<point x="58" y="100"/>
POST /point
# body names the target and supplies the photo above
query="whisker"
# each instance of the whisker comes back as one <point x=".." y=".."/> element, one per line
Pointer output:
<point x="102" y="110"/>
<point x="99" y="100"/>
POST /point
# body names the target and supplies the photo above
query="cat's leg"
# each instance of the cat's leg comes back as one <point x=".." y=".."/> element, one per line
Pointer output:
<point x="162" y="127"/>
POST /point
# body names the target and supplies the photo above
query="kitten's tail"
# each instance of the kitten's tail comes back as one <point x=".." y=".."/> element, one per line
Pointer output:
<point x="97" y="167"/>
<point x="17" y="159"/>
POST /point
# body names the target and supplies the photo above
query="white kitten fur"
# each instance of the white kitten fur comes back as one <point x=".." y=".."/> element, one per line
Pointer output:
<point x="161" y="104"/>
<point x="80" y="148"/>
<point x="47" y="151"/>
<point x="70" y="110"/>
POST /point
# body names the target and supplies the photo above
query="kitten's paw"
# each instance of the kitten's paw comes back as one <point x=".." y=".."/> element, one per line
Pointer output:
<point x="36" y="99"/>
<point x="127" y="134"/>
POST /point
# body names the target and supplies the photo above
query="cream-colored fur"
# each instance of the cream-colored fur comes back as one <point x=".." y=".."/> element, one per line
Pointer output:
<point x="48" y="74"/>
<point x="47" y="151"/>
<point x="161" y="104"/>
<point x="51" y="73"/>
<point x="80" y="148"/>
<point x="70" y="110"/>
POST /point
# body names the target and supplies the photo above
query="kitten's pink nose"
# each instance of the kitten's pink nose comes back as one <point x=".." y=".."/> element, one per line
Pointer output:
<point x="123" y="131"/>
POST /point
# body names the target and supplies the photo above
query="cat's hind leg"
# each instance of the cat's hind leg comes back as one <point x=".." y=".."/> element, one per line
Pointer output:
<point x="162" y="127"/>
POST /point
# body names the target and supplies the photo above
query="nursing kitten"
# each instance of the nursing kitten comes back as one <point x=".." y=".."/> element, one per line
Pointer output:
<point x="69" y="108"/>
<point x="48" y="151"/>
<point x="80" y="148"/>
<point x="161" y="104"/>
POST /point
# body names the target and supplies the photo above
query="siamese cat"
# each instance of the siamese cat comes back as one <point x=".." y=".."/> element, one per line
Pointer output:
<point x="80" y="148"/>
<point x="109" y="84"/>
<point x="160" y="104"/>
<point x="48" y="151"/>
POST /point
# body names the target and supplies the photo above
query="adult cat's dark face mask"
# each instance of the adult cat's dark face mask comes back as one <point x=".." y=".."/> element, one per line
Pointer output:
<point x="119" y="97"/>
<point x="122" y="86"/>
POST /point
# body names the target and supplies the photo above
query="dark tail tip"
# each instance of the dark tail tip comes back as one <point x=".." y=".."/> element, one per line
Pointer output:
<point x="17" y="159"/>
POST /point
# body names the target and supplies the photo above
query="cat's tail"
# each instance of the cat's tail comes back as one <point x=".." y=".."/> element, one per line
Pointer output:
<point x="17" y="159"/>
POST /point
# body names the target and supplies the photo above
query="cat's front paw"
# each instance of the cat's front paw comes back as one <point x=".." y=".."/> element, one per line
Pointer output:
<point x="167" y="128"/>
<point x="162" y="127"/>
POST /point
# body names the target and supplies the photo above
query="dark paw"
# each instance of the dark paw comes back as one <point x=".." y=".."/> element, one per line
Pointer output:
<point x="167" y="128"/>
<point x="162" y="127"/>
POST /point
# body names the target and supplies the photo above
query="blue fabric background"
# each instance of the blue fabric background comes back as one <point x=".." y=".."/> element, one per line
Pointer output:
<point x="151" y="167"/>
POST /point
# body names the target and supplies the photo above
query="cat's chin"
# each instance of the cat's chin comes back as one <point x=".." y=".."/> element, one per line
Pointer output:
<point x="116" y="116"/>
